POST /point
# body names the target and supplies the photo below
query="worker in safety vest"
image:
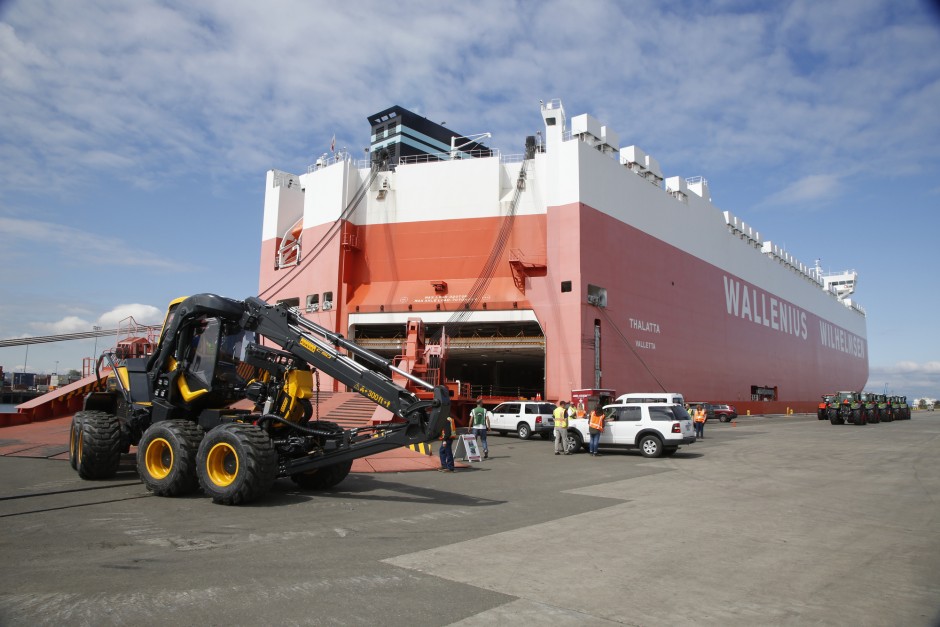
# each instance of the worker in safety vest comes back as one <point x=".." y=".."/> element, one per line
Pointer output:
<point x="698" y="417"/>
<point x="596" y="427"/>
<point x="572" y="411"/>
<point x="580" y="411"/>
<point x="480" y="422"/>
<point x="446" y="453"/>
<point x="561" y="428"/>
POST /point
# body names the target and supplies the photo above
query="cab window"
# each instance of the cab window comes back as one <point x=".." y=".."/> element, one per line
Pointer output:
<point x="507" y="408"/>
<point x="207" y="350"/>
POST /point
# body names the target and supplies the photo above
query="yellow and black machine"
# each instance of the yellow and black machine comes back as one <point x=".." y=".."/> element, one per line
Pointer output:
<point x="175" y="406"/>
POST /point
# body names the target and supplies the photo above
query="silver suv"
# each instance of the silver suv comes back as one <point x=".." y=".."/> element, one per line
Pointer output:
<point x="654" y="428"/>
<point x="524" y="417"/>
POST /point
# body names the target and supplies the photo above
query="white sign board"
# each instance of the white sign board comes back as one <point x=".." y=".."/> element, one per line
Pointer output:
<point x="469" y="442"/>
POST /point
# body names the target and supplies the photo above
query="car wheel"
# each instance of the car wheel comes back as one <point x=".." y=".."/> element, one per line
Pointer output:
<point x="574" y="442"/>
<point x="651" y="446"/>
<point x="524" y="431"/>
<point x="722" y="418"/>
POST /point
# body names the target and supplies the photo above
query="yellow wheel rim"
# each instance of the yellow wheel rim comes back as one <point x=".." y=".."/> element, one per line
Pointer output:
<point x="159" y="458"/>
<point x="78" y="448"/>
<point x="73" y="448"/>
<point x="222" y="464"/>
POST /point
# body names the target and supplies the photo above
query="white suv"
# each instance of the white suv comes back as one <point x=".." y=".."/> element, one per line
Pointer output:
<point x="524" y="417"/>
<point x="654" y="428"/>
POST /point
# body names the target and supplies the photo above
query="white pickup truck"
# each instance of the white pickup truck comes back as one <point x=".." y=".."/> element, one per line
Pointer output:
<point x="654" y="428"/>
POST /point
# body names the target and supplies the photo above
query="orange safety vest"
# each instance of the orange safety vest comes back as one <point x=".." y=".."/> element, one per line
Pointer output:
<point x="449" y="432"/>
<point x="597" y="422"/>
<point x="699" y="415"/>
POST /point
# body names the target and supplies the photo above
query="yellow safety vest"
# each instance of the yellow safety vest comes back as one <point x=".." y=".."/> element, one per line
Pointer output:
<point x="561" y="421"/>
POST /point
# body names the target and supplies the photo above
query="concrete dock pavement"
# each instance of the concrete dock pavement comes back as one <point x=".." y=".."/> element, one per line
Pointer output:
<point x="775" y="521"/>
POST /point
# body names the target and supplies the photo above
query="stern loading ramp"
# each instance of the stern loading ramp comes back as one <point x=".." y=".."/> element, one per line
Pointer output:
<point x="497" y="359"/>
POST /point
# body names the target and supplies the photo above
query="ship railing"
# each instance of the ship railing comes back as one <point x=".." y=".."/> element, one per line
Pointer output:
<point x="554" y="103"/>
<point x="285" y="179"/>
<point x="329" y="159"/>
<point x="446" y="156"/>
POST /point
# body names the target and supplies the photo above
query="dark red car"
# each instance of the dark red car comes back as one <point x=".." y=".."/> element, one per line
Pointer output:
<point x="725" y="413"/>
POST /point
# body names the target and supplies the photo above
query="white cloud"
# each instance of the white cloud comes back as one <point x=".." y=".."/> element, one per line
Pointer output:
<point x="69" y="324"/>
<point x="810" y="190"/>
<point x="142" y="314"/>
<point x="907" y="377"/>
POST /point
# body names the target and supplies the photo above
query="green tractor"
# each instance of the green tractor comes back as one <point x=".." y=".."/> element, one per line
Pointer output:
<point x="902" y="411"/>
<point x="870" y="407"/>
<point x="847" y="407"/>
<point x="885" y="411"/>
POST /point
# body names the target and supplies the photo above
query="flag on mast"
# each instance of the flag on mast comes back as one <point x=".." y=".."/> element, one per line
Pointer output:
<point x="333" y="143"/>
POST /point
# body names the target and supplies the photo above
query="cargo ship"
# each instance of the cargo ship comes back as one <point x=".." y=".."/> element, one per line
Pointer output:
<point x="573" y="265"/>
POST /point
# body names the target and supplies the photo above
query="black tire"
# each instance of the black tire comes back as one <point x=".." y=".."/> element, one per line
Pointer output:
<point x="669" y="451"/>
<point x="651" y="446"/>
<point x="524" y="431"/>
<point x="236" y="463"/>
<point x="873" y="417"/>
<point x="836" y="419"/>
<point x="886" y="416"/>
<point x="166" y="457"/>
<point x="857" y="417"/>
<point x="821" y="414"/>
<point x="322" y="478"/>
<point x="574" y="443"/>
<point x="722" y="418"/>
<point x="99" y="446"/>
<point x="75" y="439"/>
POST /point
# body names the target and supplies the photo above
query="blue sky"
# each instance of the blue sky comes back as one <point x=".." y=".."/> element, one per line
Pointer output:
<point x="135" y="136"/>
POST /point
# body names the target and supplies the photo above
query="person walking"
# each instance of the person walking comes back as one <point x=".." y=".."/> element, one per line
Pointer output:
<point x="698" y="417"/>
<point x="561" y="428"/>
<point x="446" y="452"/>
<point x="595" y="428"/>
<point x="480" y="422"/>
